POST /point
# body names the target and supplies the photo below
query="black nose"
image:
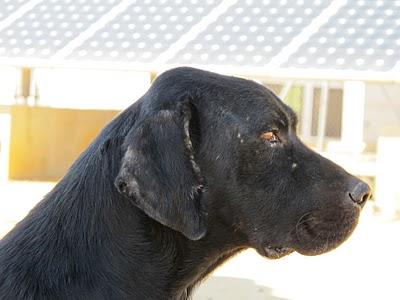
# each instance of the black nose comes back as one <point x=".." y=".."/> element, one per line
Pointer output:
<point x="361" y="193"/>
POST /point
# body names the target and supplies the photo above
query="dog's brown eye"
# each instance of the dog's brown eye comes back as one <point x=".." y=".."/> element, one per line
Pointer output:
<point x="269" y="136"/>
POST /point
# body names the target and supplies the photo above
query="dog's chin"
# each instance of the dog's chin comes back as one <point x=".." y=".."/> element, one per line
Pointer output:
<point x="273" y="252"/>
<point x="313" y="241"/>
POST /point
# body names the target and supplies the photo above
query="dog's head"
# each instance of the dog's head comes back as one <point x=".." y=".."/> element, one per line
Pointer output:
<point x="206" y="144"/>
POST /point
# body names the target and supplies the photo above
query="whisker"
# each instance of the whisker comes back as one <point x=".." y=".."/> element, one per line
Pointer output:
<point x="303" y="219"/>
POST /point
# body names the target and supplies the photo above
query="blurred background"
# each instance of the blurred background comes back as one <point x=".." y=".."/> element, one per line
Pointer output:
<point x="67" y="67"/>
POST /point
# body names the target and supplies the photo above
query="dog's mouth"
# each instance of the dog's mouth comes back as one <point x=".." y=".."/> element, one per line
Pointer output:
<point x="315" y="236"/>
<point x="314" y="233"/>
<point x="273" y="252"/>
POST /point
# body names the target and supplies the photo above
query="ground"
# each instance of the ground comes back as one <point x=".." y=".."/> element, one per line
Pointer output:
<point x="364" y="267"/>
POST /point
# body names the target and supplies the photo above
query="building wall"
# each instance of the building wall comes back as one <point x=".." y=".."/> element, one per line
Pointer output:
<point x="382" y="111"/>
<point x="46" y="141"/>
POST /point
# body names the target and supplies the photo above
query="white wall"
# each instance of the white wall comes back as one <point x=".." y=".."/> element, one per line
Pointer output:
<point x="382" y="110"/>
<point x="89" y="89"/>
<point x="8" y="85"/>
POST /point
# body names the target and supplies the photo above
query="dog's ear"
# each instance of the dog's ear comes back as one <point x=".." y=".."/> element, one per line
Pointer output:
<point x="159" y="173"/>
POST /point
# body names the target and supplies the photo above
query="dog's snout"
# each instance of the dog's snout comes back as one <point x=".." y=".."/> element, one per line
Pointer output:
<point x="360" y="193"/>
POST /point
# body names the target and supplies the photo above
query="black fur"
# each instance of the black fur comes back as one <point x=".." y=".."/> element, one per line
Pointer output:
<point x="174" y="186"/>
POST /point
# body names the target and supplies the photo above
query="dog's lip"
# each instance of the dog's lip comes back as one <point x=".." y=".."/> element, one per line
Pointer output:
<point x="311" y="239"/>
<point x="275" y="252"/>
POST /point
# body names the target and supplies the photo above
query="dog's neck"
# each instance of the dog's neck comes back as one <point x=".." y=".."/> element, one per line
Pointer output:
<point x="201" y="268"/>
<point x="198" y="259"/>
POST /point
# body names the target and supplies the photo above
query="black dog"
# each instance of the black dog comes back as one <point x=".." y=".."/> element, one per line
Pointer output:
<point x="200" y="168"/>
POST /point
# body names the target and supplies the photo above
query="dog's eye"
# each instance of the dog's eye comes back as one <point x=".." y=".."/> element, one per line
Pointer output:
<point x="269" y="136"/>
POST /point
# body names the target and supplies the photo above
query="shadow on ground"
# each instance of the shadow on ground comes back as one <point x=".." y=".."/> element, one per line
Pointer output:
<point x="224" y="288"/>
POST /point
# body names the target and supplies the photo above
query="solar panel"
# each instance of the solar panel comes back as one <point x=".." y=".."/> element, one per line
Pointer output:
<point x="49" y="26"/>
<point x="144" y="30"/>
<point x="363" y="35"/>
<point x="251" y="32"/>
<point x="9" y="6"/>
<point x="360" y="35"/>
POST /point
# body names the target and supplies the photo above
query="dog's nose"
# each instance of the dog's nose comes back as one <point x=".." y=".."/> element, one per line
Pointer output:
<point x="360" y="193"/>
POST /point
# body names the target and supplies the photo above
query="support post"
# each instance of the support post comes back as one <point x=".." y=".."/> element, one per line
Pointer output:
<point x="352" y="134"/>
<point x="322" y="115"/>
<point x="307" y="110"/>
<point x="5" y="123"/>
<point x="285" y="90"/>
<point x="26" y="90"/>
<point x="387" y="195"/>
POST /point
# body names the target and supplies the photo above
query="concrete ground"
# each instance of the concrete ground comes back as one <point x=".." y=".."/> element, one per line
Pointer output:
<point x="365" y="267"/>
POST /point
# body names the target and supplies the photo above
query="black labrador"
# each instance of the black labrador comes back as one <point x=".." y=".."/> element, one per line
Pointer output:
<point x="200" y="168"/>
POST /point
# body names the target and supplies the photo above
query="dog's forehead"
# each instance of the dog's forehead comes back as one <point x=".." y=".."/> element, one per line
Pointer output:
<point x="228" y="98"/>
<point x="258" y="107"/>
